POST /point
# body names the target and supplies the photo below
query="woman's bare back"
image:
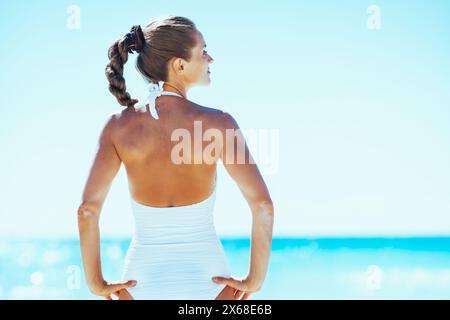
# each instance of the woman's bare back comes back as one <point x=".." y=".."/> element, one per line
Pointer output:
<point x="145" y="147"/>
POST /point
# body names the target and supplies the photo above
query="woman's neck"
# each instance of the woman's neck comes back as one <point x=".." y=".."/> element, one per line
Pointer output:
<point x="176" y="88"/>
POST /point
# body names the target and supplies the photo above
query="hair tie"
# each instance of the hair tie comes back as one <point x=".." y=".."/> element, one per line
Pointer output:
<point x="134" y="40"/>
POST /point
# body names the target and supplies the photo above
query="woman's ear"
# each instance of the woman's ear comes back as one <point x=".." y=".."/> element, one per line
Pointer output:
<point x="177" y="65"/>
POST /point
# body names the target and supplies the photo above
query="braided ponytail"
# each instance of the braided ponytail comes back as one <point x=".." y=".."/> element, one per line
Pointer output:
<point x="165" y="38"/>
<point x="118" y="56"/>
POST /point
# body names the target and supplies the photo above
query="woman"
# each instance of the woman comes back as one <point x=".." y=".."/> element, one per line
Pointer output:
<point x="175" y="252"/>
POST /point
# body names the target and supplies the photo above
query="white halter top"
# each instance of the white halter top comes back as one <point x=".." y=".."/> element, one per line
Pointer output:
<point x="157" y="90"/>
<point x="175" y="252"/>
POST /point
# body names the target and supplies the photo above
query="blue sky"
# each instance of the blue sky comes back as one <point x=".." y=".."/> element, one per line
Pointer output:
<point x="362" y="114"/>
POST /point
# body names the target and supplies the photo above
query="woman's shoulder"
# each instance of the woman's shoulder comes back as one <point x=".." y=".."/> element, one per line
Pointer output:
<point x="216" y="116"/>
<point x="114" y="121"/>
<point x="212" y="112"/>
<point x="126" y="115"/>
<point x="220" y="118"/>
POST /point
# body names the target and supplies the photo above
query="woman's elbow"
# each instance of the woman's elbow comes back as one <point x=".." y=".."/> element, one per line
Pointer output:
<point x="264" y="207"/>
<point x="86" y="212"/>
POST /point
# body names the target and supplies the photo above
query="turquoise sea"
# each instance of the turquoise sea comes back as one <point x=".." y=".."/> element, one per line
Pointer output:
<point x="324" y="268"/>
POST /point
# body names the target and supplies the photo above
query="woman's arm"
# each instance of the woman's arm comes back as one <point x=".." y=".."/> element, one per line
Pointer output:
<point x="104" y="168"/>
<point x="247" y="176"/>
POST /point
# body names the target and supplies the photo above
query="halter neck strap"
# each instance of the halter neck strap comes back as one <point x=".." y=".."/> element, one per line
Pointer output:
<point x="157" y="90"/>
